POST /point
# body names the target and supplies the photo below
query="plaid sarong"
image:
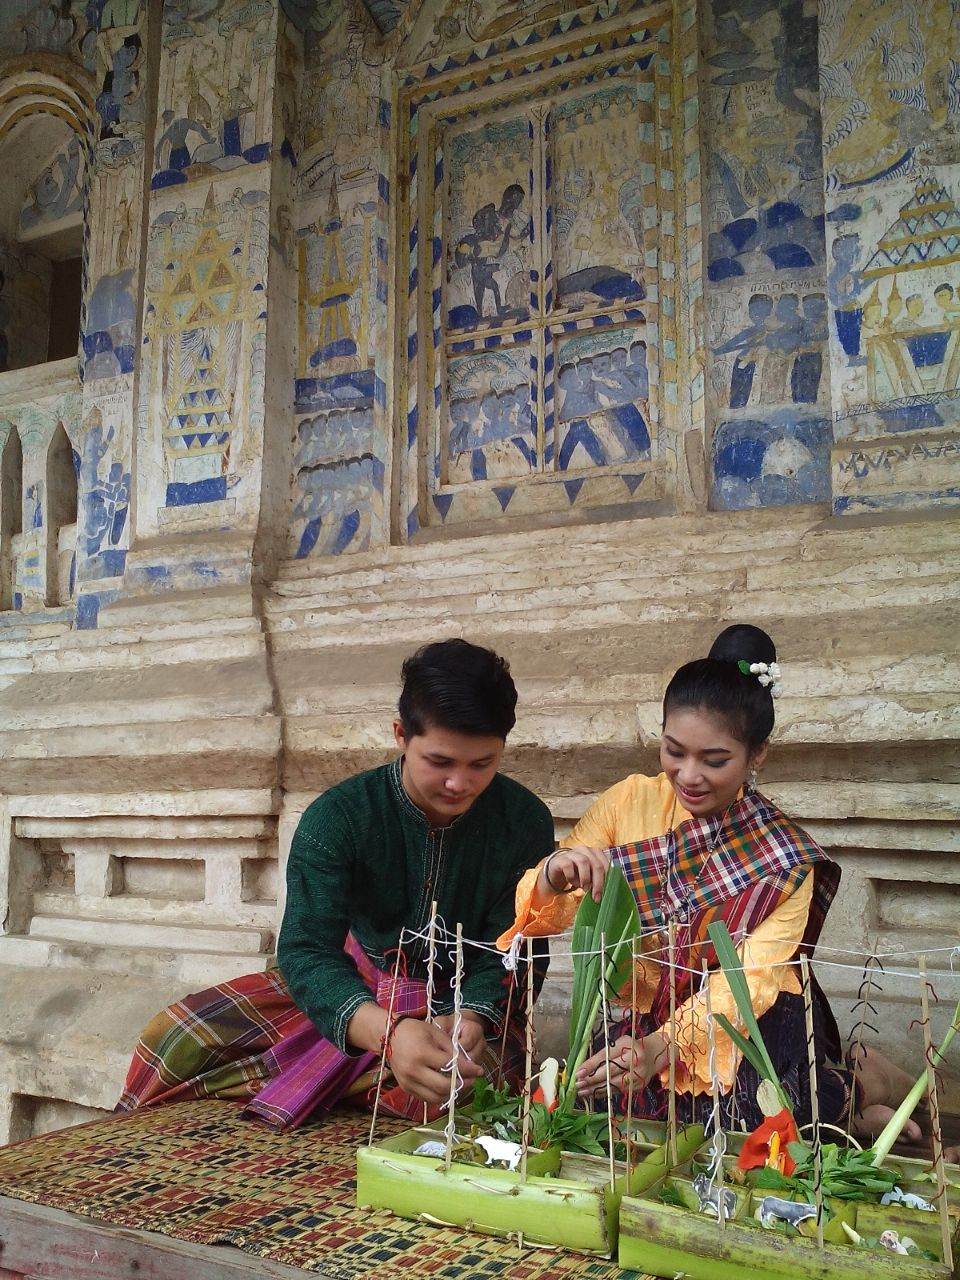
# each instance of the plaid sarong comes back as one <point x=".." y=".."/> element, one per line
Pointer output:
<point x="246" y="1039"/>
<point x="737" y="867"/>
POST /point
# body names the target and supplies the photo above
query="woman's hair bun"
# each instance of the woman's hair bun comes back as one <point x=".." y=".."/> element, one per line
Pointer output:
<point x="743" y="643"/>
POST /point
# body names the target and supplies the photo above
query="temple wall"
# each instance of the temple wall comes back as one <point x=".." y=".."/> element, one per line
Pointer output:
<point x="577" y="329"/>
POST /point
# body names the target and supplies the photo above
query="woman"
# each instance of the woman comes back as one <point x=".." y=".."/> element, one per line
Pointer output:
<point x="698" y="843"/>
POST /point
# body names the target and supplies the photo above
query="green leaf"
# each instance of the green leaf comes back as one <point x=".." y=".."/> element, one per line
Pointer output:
<point x="614" y="922"/>
<point x="732" y="967"/>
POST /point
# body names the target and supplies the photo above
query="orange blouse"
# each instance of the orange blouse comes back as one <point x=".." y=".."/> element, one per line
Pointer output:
<point x="639" y="808"/>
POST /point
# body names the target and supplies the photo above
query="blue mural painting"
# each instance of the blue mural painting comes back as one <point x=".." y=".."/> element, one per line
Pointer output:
<point x="105" y="493"/>
<point x="779" y="353"/>
<point x="781" y="237"/>
<point x="780" y="459"/>
<point x="492" y="435"/>
<point x="109" y="338"/>
<point x="340" y="481"/>
<point x="601" y="406"/>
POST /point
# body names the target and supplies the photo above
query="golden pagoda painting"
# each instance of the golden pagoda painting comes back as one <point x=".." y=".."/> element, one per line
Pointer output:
<point x="911" y="311"/>
<point x="199" y="319"/>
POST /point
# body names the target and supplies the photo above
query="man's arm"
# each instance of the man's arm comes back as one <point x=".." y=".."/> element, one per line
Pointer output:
<point x="323" y="980"/>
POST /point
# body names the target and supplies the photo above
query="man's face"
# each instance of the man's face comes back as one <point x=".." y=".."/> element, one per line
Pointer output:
<point x="444" y="771"/>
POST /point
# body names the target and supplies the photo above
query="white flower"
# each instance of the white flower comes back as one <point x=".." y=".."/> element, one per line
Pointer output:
<point x="774" y="670"/>
<point x="757" y="667"/>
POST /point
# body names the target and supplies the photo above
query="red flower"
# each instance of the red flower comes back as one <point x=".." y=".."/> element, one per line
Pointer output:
<point x="767" y="1145"/>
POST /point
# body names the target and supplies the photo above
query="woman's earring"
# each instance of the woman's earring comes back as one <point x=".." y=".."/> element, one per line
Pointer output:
<point x="753" y="777"/>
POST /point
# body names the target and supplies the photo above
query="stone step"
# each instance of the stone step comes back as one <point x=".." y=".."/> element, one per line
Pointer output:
<point x="231" y="646"/>
<point x="187" y="606"/>
<point x="681" y="604"/>
<point x="139" y="934"/>
<point x="746" y="529"/>
<point x="257" y="735"/>
<point x="160" y="693"/>
<point x="129" y="909"/>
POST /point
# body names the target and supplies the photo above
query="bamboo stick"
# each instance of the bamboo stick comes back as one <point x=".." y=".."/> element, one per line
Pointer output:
<point x="386" y="1039"/>
<point x="431" y="979"/>
<point x="814" y="1096"/>
<point x="528" y="1068"/>
<point x="934" y="1104"/>
<point x="718" y="1141"/>
<point x="633" y="1019"/>
<point x="455" y="1061"/>
<point x="672" y="1046"/>
<point x="606" y="1054"/>
<point x="864" y="997"/>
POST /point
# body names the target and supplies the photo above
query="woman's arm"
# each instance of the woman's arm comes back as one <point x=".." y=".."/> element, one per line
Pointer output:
<point x="764" y="954"/>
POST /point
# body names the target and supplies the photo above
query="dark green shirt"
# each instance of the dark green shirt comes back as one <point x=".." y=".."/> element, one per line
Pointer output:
<point x="365" y="859"/>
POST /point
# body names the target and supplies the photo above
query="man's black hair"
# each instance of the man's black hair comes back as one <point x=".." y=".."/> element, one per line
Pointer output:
<point x="717" y="684"/>
<point x="452" y="684"/>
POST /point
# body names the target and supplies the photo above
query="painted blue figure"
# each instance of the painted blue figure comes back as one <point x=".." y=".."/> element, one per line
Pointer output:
<point x="34" y="495"/>
<point x="749" y="345"/>
<point x="579" y="395"/>
<point x="844" y="285"/>
<point x="121" y="86"/>
<point x="107" y="498"/>
<point x="808" y="361"/>
<point x="491" y="225"/>
<point x="175" y="135"/>
<point x="580" y="433"/>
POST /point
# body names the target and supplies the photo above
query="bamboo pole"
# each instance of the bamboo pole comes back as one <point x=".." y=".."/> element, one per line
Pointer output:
<point x="386" y="1038"/>
<point x="431" y="979"/>
<point x="718" y="1141"/>
<point x="633" y="1021"/>
<point x="864" y="999"/>
<point x="934" y="1104"/>
<point x="814" y="1096"/>
<point x="455" y="1061"/>
<point x="528" y="1068"/>
<point x="606" y="1054"/>
<point x="672" y="1046"/>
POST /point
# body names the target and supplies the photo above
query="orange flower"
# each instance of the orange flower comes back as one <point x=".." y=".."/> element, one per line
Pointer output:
<point x="767" y="1145"/>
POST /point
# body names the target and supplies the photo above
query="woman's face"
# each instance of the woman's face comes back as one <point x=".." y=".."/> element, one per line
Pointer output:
<point x="705" y="764"/>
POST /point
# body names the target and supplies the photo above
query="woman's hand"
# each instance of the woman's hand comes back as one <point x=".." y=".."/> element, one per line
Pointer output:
<point x="576" y="868"/>
<point x="640" y="1058"/>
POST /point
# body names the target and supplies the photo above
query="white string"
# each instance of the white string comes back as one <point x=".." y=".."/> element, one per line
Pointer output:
<point x="654" y="931"/>
<point x="713" y="1127"/>
<point x="513" y="953"/>
<point x="454" y="1064"/>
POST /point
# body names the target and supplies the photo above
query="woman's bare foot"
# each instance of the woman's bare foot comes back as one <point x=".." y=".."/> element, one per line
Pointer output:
<point x="869" y="1121"/>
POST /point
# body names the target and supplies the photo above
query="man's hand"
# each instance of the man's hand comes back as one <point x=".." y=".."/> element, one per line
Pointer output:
<point x="575" y="868"/>
<point x="419" y="1051"/>
<point x="473" y="1034"/>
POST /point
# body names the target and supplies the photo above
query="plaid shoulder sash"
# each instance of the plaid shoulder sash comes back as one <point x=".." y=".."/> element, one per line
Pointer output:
<point x="738" y="867"/>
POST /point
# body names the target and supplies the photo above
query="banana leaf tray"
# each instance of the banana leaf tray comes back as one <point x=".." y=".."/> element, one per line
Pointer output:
<point x="565" y="1201"/>
<point x="667" y="1240"/>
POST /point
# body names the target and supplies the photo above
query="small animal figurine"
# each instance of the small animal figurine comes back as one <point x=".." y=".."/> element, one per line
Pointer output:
<point x="909" y="1199"/>
<point x="709" y="1198"/>
<point x="891" y="1240"/>
<point x="772" y="1209"/>
<point x="500" y="1152"/>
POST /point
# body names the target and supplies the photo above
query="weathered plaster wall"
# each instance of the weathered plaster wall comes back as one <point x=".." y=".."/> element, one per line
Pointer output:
<point x="579" y="329"/>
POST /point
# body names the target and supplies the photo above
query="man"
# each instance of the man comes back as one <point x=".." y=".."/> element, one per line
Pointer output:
<point x="368" y="859"/>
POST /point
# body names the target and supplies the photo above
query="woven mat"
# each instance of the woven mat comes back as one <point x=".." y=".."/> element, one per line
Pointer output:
<point x="197" y="1171"/>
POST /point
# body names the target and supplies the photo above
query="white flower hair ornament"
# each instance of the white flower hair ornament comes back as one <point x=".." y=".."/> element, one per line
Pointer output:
<point x="768" y="673"/>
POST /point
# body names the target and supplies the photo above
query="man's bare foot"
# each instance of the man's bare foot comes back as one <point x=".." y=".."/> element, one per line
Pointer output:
<point x="870" y="1121"/>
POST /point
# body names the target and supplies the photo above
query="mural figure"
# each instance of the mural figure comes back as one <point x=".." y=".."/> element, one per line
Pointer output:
<point x="56" y="192"/>
<point x="118" y="99"/>
<point x="778" y="355"/>
<point x="174" y="140"/>
<point x="602" y="406"/>
<point x="492" y="431"/>
<point x="507" y="229"/>
<point x="106" y="498"/>
<point x="340" y="481"/>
